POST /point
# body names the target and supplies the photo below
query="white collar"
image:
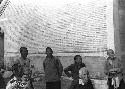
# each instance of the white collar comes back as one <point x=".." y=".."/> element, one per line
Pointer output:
<point x="81" y="82"/>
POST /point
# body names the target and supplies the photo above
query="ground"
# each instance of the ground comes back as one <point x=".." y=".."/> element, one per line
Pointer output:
<point x="41" y="84"/>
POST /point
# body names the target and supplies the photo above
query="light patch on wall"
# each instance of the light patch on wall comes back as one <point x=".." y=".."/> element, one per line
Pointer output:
<point x="50" y="3"/>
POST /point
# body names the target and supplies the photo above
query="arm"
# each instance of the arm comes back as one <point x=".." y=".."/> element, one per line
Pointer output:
<point x="106" y="70"/>
<point x="28" y="64"/>
<point x="83" y="65"/>
<point x="120" y="67"/>
<point x="60" y="68"/>
<point x="67" y="69"/>
<point x="11" y="84"/>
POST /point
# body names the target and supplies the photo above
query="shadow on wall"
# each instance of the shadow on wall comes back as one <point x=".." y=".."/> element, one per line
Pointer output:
<point x="95" y="64"/>
<point x="123" y="64"/>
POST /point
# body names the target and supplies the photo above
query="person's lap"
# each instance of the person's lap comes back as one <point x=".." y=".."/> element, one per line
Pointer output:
<point x="121" y="85"/>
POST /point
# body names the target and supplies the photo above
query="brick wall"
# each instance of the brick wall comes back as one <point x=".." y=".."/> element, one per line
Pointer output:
<point x="76" y="27"/>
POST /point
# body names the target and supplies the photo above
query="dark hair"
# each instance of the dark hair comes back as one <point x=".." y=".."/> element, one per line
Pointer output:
<point x="17" y="70"/>
<point x="50" y="49"/>
<point x="111" y="51"/>
<point x="76" y="57"/>
<point x="23" y="48"/>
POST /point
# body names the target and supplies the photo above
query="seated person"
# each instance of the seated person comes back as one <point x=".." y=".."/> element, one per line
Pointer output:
<point x="19" y="80"/>
<point x="83" y="82"/>
<point x="114" y="70"/>
<point x="73" y="69"/>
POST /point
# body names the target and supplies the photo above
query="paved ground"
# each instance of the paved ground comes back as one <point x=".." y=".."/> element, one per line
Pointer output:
<point x="41" y="84"/>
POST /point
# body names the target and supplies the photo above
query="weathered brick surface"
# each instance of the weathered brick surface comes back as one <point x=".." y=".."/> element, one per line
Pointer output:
<point x="76" y="27"/>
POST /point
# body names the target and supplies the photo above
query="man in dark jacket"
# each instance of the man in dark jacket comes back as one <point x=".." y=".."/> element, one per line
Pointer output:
<point x="73" y="70"/>
<point x="53" y="70"/>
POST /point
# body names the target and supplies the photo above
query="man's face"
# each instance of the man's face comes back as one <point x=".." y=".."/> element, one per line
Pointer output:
<point x="24" y="53"/>
<point x="78" y="59"/>
<point x="49" y="52"/>
<point x="84" y="76"/>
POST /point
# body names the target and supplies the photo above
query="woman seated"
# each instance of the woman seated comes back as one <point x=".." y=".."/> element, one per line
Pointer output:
<point x="83" y="82"/>
<point x="114" y="71"/>
<point x="19" y="80"/>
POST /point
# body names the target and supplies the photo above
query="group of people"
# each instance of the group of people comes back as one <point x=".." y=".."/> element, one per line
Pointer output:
<point x="22" y="74"/>
<point x="114" y="70"/>
<point x="79" y="73"/>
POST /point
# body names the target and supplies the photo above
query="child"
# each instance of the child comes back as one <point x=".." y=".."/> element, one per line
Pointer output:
<point x="83" y="82"/>
<point x="17" y="82"/>
<point x="53" y="70"/>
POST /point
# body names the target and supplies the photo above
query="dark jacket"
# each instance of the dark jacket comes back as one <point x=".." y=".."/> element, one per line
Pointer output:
<point x="53" y="69"/>
<point x="74" y="69"/>
<point x="75" y="85"/>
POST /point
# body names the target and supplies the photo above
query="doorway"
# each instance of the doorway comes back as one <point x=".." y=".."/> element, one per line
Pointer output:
<point x="1" y="47"/>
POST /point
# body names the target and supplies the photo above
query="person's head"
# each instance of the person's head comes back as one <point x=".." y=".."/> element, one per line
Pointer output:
<point x="23" y="52"/>
<point x="17" y="70"/>
<point x="110" y="53"/>
<point x="25" y="77"/>
<point x="78" y="59"/>
<point x="49" y="51"/>
<point x="84" y="74"/>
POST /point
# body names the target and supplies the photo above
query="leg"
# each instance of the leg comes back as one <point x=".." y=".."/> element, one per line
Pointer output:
<point x="53" y="85"/>
<point x="110" y="83"/>
<point x="58" y="84"/>
<point x="49" y="85"/>
<point x="71" y="85"/>
<point x="31" y="84"/>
